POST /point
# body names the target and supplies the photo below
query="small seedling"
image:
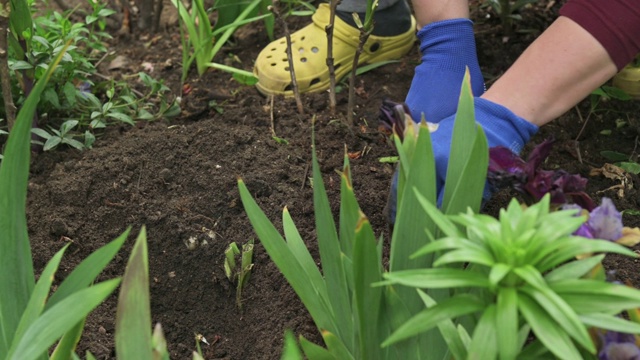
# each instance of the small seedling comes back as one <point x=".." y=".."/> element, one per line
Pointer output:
<point x="240" y="274"/>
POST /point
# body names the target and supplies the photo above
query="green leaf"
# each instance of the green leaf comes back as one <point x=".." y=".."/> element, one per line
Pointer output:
<point x="125" y="118"/>
<point x="437" y="278"/>
<point x="53" y="323"/>
<point x="575" y="246"/>
<point x="20" y="19"/>
<point x="610" y="322"/>
<point x="574" y="269"/>
<point x="427" y="319"/>
<point x="67" y="345"/>
<point x="614" y="155"/>
<point x="16" y="268"/>
<point x="315" y="352"/>
<point x="449" y="332"/>
<point x="349" y="209"/>
<point x="547" y="330"/>
<point x="159" y="342"/>
<point x="301" y="254"/>
<point x="367" y="270"/>
<point x="329" y="247"/>
<point x="245" y="79"/>
<point x="38" y="298"/>
<point x="484" y="343"/>
<point x="630" y="167"/>
<point x="286" y="262"/>
<point x="52" y="142"/>
<point x="554" y="305"/>
<point x="291" y="350"/>
<point x="506" y="323"/>
<point x="88" y="270"/>
<point x="469" y="157"/>
<point x="133" y="316"/>
<point x="336" y="346"/>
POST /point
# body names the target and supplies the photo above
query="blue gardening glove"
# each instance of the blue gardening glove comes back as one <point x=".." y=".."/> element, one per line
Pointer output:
<point x="447" y="47"/>
<point x="502" y="128"/>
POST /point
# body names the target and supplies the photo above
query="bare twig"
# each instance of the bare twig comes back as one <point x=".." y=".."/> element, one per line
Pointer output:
<point x="304" y="176"/>
<point x="5" y="79"/>
<point x="294" y="83"/>
<point x="273" y="126"/>
<point x="330" y="65"/>
<point x="364" y="35"/>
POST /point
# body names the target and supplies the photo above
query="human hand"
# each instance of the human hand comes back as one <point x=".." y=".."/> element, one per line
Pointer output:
<point x="502" y="128"/>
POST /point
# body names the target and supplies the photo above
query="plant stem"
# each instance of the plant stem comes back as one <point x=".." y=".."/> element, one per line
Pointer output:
<point x="5" y="78"/>
<point x="294" y="83"/>
<point x="364" y="35"/>
<point x="332" y="72"/>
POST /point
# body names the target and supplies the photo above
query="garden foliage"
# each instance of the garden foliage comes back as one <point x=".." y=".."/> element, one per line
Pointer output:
<point x="76" y="102"/>
<point x="459" y="284"/>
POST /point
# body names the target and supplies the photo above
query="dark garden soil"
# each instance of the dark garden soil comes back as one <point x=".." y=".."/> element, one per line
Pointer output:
<point x="179" y="178"/>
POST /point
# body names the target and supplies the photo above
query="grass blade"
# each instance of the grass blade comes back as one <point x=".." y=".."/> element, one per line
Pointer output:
<point x="302" y="256"/>
<point x="55" y="322"/>
<point x="285" y="260"/>
<point x="133" y="316"/>
<point x="367" y="271"/>
<point x="16" y="267"/>
<point x="67" y="345"/>
<point x="86" y="272"/>
<point x="39" y="295"/>
<point x="332" y="268"/>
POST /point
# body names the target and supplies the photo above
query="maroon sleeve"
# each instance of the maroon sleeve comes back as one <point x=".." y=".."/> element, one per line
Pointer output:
<point x="614" y="23"/>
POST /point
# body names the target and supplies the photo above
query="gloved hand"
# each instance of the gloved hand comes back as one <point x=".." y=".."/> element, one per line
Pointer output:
<point x="502" y="128"/>
<point x="447" y="47"/>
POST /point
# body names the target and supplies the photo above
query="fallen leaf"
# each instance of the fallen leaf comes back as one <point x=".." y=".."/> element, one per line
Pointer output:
<point x="147" y="67"/>
<point x="118" y="63"/>
<point x="630" y="237"/>
<point x="355" y="155"/>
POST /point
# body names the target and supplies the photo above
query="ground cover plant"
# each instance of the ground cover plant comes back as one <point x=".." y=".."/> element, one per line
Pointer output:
<point x="77" y="101"/>
<point x="179" y="178"/>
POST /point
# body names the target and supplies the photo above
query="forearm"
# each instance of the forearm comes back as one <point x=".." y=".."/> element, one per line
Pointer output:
<point x="428" y="11"/>
<point x="575" y="55"/>
<point x="559" y="69"/>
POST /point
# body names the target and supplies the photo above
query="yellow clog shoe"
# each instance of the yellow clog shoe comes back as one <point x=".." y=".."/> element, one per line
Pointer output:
<point x="309" y="50"/>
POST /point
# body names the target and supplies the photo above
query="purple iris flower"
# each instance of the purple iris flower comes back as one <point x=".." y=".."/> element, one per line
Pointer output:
<point x="619" y="346"/>
<point x="508" y="169"/>
<point x="393" y="117"/>
<point x="605" y="222"/>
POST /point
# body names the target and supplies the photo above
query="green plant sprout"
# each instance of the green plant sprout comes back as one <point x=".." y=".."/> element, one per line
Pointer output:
<point x="239" y="274"/>
<point x="201" y="42"/>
